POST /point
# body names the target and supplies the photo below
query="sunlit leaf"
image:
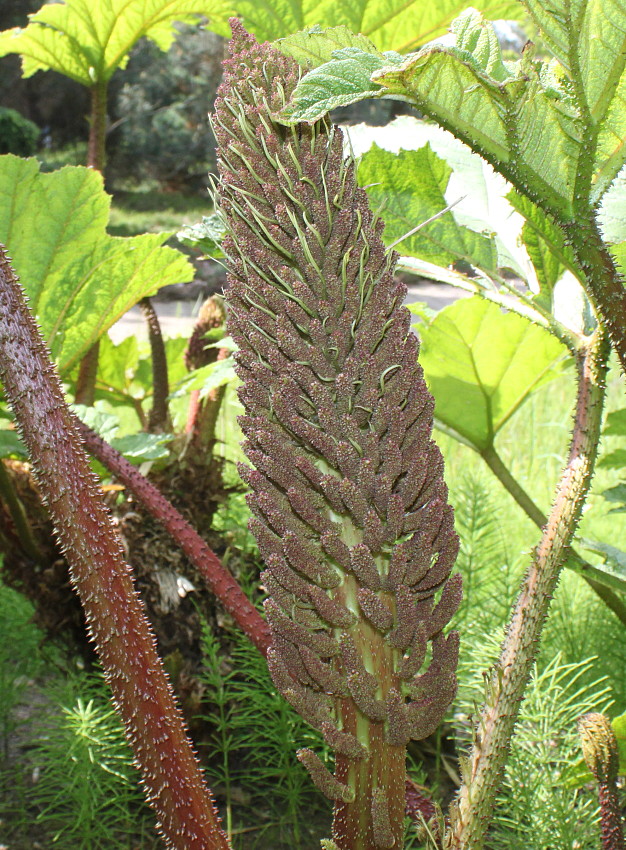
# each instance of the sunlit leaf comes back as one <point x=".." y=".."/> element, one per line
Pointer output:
<point x="206" y="235"/>
<point x="616" y="423"/>
<point x="546" y="246"/>
<point x="409" y="188"/>
<point x="79" y="279"/>
<point x="209" y="377"/>
<point x="616" y="495"/>
<point x="344" y="80"/>
<point x="482" y="364"/>
<point x="87" y="41"/>
<point x="589" y="40"/>
<point x="469" y="89"/>
<point x="476" y="190"/>
<point x="613" y="460"/>
<point x="139" y="448"/>
<point x="315" y="46"/>
<point x="400" y="25"/>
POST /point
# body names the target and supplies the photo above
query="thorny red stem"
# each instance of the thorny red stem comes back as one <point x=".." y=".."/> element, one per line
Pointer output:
<point x="103" y="580"/>
<point x="611" y="824"/>
<point x="217" y="577"/>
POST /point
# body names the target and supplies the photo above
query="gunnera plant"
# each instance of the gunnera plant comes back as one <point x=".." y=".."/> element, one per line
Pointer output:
<point x="350" y="507"/>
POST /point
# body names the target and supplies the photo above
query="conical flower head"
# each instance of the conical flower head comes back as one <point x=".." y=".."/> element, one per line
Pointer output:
<point x="350" y="507"/>
<point x="599" y="746"/>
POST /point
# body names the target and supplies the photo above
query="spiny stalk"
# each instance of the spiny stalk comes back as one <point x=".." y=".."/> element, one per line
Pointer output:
<point x="218" y="579"/>
<point x="114" y="613"/>
<point x="350" y="507"/>
<point x="482" y="770"/>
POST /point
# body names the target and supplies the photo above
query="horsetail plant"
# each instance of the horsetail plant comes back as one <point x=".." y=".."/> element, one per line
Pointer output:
<point x="350" y="507"/>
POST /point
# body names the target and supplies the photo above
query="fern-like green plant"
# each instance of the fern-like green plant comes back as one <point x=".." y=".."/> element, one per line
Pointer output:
<point x="87" y="791"/>
<point x="256" y="735"/>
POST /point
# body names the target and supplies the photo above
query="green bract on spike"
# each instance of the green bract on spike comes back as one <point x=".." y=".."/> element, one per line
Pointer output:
<point x="350" y="507"/>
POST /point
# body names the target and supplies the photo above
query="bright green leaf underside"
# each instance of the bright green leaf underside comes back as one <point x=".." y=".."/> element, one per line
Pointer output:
<point x="79" y="279"/>
<point x="87" y="40"/>
<point x="408" y="188"/>
<point x="482" y="364"/>
<point x="560" y="141"/>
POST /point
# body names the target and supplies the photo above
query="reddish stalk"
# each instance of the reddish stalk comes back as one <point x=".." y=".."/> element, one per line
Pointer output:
<point x="217" y="577"/>
<point x="115" y="615"/>
<point x="159" y="418"/>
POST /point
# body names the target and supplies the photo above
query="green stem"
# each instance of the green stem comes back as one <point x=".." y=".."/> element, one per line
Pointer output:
<point x="96" y="157"/>
<point x="86" y="382"/>
<point x="355" y="825"/>
<point x="19" y="517"/>
<point x="573" y="560"/>
<point x="605" y="286"/>
<point x="502" y="473"/>
<point x="483" y="771"/>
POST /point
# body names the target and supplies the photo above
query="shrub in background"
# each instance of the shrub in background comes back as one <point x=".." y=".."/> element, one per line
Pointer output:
<point x="161" y="112"/>
<point x="18" y="135"/>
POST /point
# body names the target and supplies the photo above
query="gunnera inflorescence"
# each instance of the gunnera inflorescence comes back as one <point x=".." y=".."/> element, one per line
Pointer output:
<point x="348" y="496"/>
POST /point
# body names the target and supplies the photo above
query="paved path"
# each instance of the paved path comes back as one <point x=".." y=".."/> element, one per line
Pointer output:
<point x="177" y="316"/>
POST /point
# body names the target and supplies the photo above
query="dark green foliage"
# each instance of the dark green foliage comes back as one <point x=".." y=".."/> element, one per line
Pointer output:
<point x="161" y="112"/>
<point x="88" y="793"/>
<point x="14" y="13"/>
<point x="18" y="135"/>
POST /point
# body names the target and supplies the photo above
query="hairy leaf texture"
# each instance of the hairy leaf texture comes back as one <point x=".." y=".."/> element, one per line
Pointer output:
<point x="350" y="507"/>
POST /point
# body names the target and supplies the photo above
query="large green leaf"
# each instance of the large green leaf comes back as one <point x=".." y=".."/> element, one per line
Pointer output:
<point x="476" y="190"/>
<point x="88" y="39"/>
<point x="482" y="364"/>
<point x="79" y="279"/>
<point x="400" y="25"/>
<point x="315" y="46"/>
<point x="409" y="188"/>
<point x="519" y="116"/>
<point x="588" y="37"/>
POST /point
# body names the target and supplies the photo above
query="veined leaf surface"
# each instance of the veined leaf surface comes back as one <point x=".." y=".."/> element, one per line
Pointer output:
<point x="79" y="279"/>
<point x="588" y="37"/>
<point x="546" y="246"/>
<point x="482" y="364"/>
<point x="476" y="190"/>
<point x="408" y="188"/>
<point x="400" y="25"/>
<point x="557" y="137"/>
<point x="88" y="40"/>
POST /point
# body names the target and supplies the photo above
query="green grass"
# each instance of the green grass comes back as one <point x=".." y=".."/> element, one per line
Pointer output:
<point x="153" y="211"/>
